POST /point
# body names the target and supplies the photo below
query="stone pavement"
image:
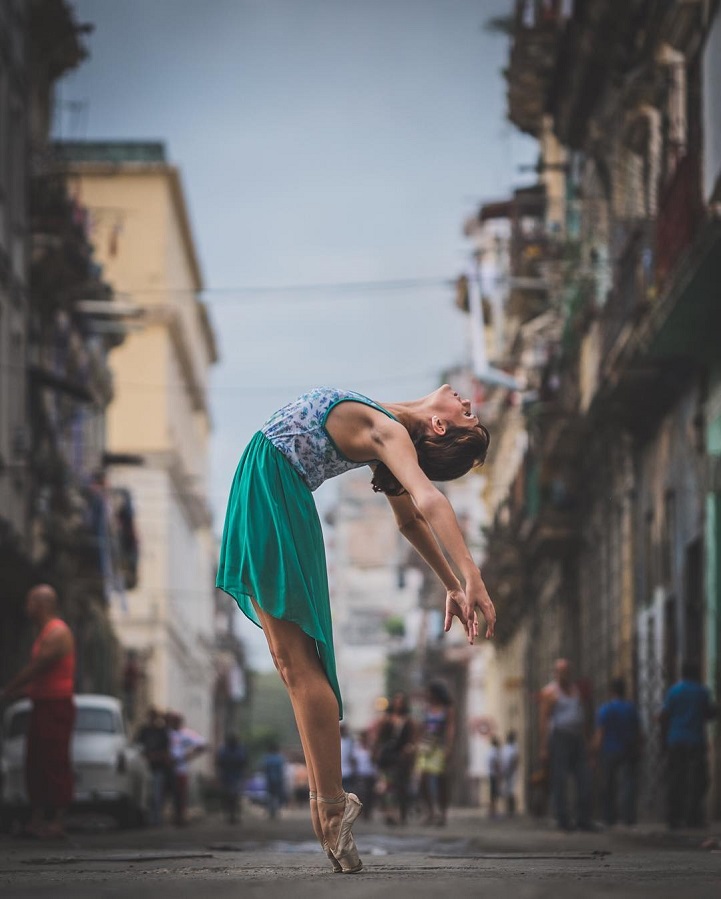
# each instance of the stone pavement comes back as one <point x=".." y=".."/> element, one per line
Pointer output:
<point x="470" y="857"/>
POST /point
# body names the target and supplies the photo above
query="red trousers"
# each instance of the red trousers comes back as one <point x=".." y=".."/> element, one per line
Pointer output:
<point x="48" y="772"/>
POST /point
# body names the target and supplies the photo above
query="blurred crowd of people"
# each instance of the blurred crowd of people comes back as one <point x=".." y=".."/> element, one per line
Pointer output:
<point x="575" y="747"/>
<point x="400" y="764"/>
<point x="169" y="747"/>
<point x="397" y="767"/>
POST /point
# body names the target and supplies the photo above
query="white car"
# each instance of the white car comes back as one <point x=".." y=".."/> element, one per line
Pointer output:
<point x="111" y="774"/>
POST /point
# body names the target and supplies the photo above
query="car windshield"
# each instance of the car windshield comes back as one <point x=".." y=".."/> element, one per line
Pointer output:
<point x="88" y="720"/>
<point x="99" y="721"/>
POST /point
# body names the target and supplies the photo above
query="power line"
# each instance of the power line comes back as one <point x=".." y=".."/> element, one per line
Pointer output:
<point x="342" y="287"/>
<point x="122" y="384"/>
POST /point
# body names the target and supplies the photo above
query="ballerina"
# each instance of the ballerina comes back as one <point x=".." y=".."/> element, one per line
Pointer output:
<point x="272" y="556"/>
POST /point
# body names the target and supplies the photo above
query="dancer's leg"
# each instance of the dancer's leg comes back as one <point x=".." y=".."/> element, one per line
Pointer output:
<point x="312" y="786"/>
<point x="316" y="712"/>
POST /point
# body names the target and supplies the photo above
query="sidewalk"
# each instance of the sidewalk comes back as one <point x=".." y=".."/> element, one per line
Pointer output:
<point x="468" y="831"/>
<point x="470" y="857"/>
<point x="543" y="831"/>
<point x="503" y="834"/>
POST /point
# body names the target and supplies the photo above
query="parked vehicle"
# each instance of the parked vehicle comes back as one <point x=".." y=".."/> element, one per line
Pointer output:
<point x="111" y="773"/>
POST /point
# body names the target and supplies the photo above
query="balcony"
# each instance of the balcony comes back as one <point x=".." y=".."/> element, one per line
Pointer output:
<point x="61" y="255"/>
<point x="554" y="532"/>
<point x="561" y="429"/>
<point x="504" y="573"/>
<point x="634" y="288"/>
<point x="679" y="215"/>
<point x="543" y="504"/>
<point x="531" y="247"/>
<point x="537" y="29"/>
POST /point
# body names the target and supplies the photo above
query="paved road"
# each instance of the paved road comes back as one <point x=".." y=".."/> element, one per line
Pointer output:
<point x="470" y="857"/>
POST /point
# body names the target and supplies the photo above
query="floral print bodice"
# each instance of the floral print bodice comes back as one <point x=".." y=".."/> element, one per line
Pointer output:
<point x="298" y="431"/>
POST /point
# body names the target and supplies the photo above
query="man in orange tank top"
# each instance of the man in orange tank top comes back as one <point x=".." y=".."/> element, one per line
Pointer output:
<point x="48" y="679"/>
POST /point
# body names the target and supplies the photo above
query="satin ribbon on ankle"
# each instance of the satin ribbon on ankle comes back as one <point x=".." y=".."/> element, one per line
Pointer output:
<point x="337" y="801"/>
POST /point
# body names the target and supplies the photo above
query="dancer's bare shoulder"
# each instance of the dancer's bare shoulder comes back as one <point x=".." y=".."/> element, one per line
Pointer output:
<point x="360" y="431"/>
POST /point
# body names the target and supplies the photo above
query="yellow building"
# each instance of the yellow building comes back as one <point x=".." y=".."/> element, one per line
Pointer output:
<point x="141" y="232"/>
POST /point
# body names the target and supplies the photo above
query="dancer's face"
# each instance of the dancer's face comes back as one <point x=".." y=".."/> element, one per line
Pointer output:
<point x="450" y="409"/>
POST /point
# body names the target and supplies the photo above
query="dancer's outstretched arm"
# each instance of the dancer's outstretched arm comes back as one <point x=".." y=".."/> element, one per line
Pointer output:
<point x="418" y="533"/>
<point x="426" y="518"/>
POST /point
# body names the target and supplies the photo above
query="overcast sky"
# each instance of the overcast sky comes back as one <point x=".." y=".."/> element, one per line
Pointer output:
<point x="320" y="142"/>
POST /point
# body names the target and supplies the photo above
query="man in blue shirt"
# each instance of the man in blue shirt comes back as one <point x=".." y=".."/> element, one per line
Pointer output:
<point x="230" y="764"/>
<point x="686" y="710"/>
<point x="617" y="739"/>
<point x="274" y="768"/>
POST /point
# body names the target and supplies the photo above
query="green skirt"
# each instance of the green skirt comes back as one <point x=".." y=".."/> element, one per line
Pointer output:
<point x="272" y="549"/>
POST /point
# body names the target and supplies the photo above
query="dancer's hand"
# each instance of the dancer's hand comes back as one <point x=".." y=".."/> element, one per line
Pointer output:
<point x="482" y="600"/>
<point x="456" y="607"/>
<point x="462" y="604"/>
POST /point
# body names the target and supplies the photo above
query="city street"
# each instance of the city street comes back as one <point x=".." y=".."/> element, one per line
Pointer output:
<point x="360" y="423"/>
<point x="470" y="857"/>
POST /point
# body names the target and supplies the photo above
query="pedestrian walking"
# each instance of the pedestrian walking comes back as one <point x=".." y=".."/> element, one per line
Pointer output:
<point x="297" y="780"/>
<point x="406" y="745"/>
<point x="274" y="770"/>
<point x="272" y="558"/>
<point x="397" y="753"/>
<point x="366" y="773"/>
<point x="347" y="759"/>
<point x="435" y="748"/>
<point x="494" y="776"/>
<point x="154" y="737"/>
<point x="48" y="679"/>
<point x="618" y="742"/>
<point x="185" y="745"/>
<point x="509" y="772"/>
<point x="384" y="754"/>
<point x="563" y="742"/>
<point x="230" y="762"/>
<point x="686" y="710"/>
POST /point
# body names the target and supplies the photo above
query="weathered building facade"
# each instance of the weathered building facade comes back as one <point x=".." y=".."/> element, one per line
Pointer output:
<point x="159" y="416"/>
<point x="607" y="543"/>
<point x="15" y="567"/>
<point x="57" y="523"/>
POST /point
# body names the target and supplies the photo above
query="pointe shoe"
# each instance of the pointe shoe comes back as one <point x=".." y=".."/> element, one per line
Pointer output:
<point x="337" y="869"/>
<point x="345" y="852"/>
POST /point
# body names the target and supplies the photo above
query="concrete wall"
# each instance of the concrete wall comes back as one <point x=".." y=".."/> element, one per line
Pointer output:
<point x="160" y="412"/>
<point x="13" y="300"/>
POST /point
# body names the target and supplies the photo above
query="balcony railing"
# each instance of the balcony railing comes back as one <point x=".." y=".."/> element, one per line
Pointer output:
<point x="679" y="214"/>
<point x="537" y="28"/>
<point x="542" y="13"/>
<point x="634" y="287"/>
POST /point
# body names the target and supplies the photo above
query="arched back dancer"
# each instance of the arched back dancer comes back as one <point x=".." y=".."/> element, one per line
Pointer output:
<point x="272" y="558"/>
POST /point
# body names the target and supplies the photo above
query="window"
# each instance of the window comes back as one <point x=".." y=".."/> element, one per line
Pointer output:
<point x="99" y="721"/>
<point x="88" y="720"/>
<point x="18" y="724"/>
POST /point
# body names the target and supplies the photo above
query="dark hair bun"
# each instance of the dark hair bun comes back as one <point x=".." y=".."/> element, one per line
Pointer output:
<point x="442" y="457"/>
